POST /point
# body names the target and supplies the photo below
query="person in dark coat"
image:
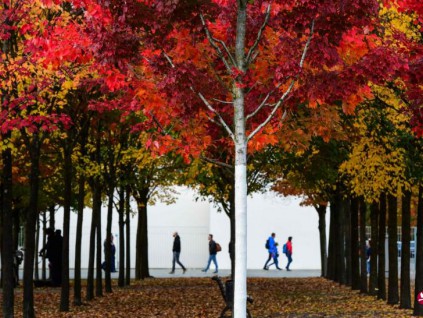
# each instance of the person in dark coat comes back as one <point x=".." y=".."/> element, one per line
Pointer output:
<point x="212" y="252"/>
<point x="56" y="270"/>
<point x="176" y="252"/>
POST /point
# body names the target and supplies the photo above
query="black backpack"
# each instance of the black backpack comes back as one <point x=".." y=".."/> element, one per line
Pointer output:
<point x="267" y="245"/>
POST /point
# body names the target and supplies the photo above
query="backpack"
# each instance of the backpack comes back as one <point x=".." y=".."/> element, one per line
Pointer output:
<point x="218" y="247"/>
<point x="267" y="246"/>
<point x="285" y="249"/>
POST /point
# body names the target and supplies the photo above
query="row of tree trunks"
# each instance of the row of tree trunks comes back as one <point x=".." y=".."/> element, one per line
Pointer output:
<point x="347" y="246"/>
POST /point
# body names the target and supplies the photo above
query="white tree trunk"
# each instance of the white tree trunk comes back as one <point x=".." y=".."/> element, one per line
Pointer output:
<point x="240" y="291"/>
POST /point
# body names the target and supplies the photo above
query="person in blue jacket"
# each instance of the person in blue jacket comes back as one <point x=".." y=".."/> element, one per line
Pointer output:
<point x="270" y="244"/>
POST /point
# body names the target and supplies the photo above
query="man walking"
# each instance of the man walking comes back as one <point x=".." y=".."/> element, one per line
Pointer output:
<point x="270" y="245"/>
<point x="288" y="252"/>
<point x="176" y="252"/>
<point x="212" y="252"/>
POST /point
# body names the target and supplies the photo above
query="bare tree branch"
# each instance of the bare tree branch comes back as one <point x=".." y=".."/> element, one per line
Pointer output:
<point x="259" y="34"/>
<point x="213" y="41"/>
<point x="288" y="90"/>
<point x="263" y="103"/>
<point x="216" y="162"/>
<point x="211" y="108"/>
<point x="168" y="59"/>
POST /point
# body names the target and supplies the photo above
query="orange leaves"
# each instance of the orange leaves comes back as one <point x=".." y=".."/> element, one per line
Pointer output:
<point x="356" y="43"/>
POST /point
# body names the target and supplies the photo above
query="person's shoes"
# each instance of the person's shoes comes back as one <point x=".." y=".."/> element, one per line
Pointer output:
<point x="204" y="270"/>
<point x="266" y="268"/>
<point x="279" y="268"/>
<point x="288" y="269"/>
<point x="184" y="270"/>
<point x="172" y="272"/>
<point x="215" y="272"/>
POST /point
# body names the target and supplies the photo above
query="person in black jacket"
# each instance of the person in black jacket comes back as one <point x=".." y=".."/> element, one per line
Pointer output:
<point x="212" y="252"/>
<point x="176" y="252"/>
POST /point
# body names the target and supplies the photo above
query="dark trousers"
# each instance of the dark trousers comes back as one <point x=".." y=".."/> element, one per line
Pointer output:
<point x="289" y="260"/>
<point x="268" y="260"/>
<point x="176" y="260"/>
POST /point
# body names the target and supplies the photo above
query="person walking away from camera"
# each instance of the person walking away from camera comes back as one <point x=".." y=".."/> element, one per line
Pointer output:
<point x="212" y="252"/>
<point x="176" y="252"/>
<point x="288" y="252"/>
<point x="112" y="254"/>
<point x="275" y="256"/>
<point x="270" y="244"/>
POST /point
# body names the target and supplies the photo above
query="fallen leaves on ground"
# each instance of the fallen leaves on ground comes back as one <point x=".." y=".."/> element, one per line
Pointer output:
<point x="201" y="298"/>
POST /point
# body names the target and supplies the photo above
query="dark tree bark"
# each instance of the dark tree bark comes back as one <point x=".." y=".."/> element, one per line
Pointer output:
<point x="37" y="248"/>
<point x="341" y="243"/>
<point x="31" y="218"/>
<point x="418" y="307"/>
<point x="121" y="210"/>
<point x="108" y="242"/>
<point x="363" y="263"/>
<point x="331" y="267"/>
<point x="355" y="260"/>
<point x="142" y="270"/>
<point x="393" y="297"/>
<point x="405" y="296"/>
<point x="67" y="195"/>
<point x="128" y="235"/>
<point x="347" y="252"/>
<point x="43" y="261"/>
<point x="77" y="297"/>
<point x="99" y="247"/>
<point x="374" y="220"/>
<point x="91" y="256"/>
<point x="381" y="294"/>
<point x="52" y="214"/>
<point x="6" y="239"/>
<point x="321" y="211"/>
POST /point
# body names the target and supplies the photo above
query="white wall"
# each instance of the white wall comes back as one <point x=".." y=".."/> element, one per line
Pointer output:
<point x="195" y="220"/>
<point x="269" y="213"/>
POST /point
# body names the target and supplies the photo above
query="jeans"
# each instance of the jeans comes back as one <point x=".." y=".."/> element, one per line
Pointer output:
<point x="212" y="257"/>
<point x="289" y="260"/>
<point x="275" y="261"/>
<point x="268" y="260"/>
<point x="176" y="260"/>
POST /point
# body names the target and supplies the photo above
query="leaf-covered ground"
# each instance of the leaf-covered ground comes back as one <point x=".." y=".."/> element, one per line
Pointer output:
<point x="200" y="297"/>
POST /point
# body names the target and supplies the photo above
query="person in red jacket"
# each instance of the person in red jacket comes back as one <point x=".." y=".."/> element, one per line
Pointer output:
<point x="288" y="252"/>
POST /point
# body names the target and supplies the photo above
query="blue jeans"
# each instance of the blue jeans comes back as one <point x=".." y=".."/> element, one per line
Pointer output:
<point x="289" y="260"/>
<point x="212" y="257"/>
<point x="275" y="261"/>
<point x="176" y="260"/>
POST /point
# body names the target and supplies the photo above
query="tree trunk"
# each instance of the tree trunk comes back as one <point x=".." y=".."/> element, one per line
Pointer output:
<point x="142" y="235"/>
<point x="363" y="263"/>
<point x="6" y="239"/>
<point x="31" y="219"/>
<point x="374" y="216"/>
<point x="418" y="306"/>
<point x="405" y="296"/>
<point x="393" y="250"/>
<point x="321" y="211"/>
<point x="52" y="217"/>
<point x="91" y="256"/>
<point x="355" y="260"/>
<point x="128" y="235"/>
<point x="99" y="243"/>
<point x="121" y="279"/>
<point x="108" y="239"/>
<point x="67" y="195"/>
<point x="36" y="249"/>
<point x="331" y="265"/>
<point x="77" y="298"/>
<point x="347" y="231"/>
<point x="232" y="225"/>
<point x="43" y="259"/>
<point x="381" y="294"/>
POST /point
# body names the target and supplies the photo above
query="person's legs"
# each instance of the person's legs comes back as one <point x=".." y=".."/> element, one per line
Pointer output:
<point x="177" y="261"/>
<point x="276" y="261"/>
<point x="289" y="261"/>
<point x="215" y="262"/>
<point x="268" y="260"/>
<point x="208" y="264"/>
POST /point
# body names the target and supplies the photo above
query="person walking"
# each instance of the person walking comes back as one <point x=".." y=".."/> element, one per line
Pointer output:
<point x="288" y="252"/>
<point x="112" y="254"/>
<point x="212" y="257"/>
<point x="270" y="245"/>
<point x="176" y="252"/>
<point x="275" y="256"/>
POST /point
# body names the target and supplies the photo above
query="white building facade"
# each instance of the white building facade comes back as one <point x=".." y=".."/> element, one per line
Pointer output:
<point x="194" y="220"/>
